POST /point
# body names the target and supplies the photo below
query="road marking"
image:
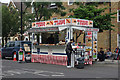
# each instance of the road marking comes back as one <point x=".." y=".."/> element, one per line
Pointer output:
<point x="41" y="71"/>
<point x="14" y="72"/>
<point x="7" y="74"/>
<point x="57" y="75"/>
<point x="42" y="74"/>
<point x="31" y="71"/>
<point x="38" y="72"/>
<point x="54" y="72"/>
<point x="98" y="77"/>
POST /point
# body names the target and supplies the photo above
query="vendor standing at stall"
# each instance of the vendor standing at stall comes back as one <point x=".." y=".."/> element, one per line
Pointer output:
<point x="69" y="52"/>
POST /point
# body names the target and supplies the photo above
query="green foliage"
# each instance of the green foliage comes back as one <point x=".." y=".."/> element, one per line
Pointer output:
<point x="63" y="14"/>
<point x="42" y="10"/>
<point x="10" y="22"/>
<point x="91" y="12"/>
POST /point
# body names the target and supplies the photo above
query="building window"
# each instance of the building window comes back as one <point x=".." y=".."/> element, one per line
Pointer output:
<point x="118" y="15"/>
<point x="52" y="6"/>
<point x="32" y="9"/>
<point x="118" y="40"/>
<point x="70" y="2"/>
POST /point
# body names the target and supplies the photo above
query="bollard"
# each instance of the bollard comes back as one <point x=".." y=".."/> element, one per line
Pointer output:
<point x="14" y="59"/>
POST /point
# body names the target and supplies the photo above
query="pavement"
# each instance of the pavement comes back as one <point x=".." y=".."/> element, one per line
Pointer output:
<point x="107" y="61"/>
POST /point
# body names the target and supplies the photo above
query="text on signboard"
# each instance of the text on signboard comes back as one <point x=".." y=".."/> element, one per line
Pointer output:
<point x="82" y="22"/>
<point x="59" y="22"/>
<point x="39" y="24"/>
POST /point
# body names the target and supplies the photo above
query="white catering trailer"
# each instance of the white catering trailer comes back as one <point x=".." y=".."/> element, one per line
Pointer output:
<point x="43" y="51"/>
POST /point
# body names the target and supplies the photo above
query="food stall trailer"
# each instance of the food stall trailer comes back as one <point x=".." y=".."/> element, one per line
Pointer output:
<point x="55" y="53"/>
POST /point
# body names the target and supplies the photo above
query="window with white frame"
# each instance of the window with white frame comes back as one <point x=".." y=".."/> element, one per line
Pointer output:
<point x="52" y="5"/>
<point x="118" y="15"/>
<point x="32" y="9"/>
<point x="70" y="2"/>
<point x="118" y="40"/>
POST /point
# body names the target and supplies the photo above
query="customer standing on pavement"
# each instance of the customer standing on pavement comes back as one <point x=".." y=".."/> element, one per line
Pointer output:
<point x="102" y="55"/>
<point x="117" y="52"/>
<point x="68" y="52"/>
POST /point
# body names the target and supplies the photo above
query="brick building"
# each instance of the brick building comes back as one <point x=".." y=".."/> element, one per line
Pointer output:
<point x="107" y="38"/>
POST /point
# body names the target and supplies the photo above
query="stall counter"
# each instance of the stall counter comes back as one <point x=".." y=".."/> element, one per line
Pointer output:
<point x="51" y="49"/>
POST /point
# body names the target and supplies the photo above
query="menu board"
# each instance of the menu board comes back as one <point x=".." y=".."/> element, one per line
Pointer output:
<point x="94" y="45"/>
<point x="88" y="40"/>
<point x="26" y="47"/>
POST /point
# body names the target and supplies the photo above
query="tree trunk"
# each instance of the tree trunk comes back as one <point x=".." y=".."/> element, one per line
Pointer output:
<point x="76" y="38"/>
<point x="2" y="41"/>
<point x="84" y="38"/>
<point x="5" y="39"/>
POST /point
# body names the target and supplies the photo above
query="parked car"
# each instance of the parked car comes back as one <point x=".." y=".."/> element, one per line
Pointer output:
<point x="14" y="46"/>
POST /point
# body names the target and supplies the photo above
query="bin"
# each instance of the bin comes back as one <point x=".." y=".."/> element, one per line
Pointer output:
<point x="80" y="63"/>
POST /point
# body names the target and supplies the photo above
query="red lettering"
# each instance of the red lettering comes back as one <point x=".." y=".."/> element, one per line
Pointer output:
<point x="59" y="22"/>
<point x="55" y="21"/>
<point x="82" y="22"/>
<point x="39" y="24"/>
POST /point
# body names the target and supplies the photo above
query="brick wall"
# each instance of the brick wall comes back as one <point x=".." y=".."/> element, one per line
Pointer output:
<point x="103" y="37"/>
<point x="103" y="40"/>
<point x="114" y="8"/>
<point x="65" y="4"/>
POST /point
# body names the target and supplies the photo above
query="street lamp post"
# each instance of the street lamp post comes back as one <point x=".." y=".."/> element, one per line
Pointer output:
<point x="21" y="20"/>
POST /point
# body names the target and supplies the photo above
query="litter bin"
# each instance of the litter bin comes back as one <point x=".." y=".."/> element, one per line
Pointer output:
<point x="80" y="63"/>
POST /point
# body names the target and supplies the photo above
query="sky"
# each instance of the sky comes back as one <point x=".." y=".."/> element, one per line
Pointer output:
<point x="4" y="1"/>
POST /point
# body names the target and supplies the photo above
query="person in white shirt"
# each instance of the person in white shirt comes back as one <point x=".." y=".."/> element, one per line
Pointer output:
<point x="108" y="54"/>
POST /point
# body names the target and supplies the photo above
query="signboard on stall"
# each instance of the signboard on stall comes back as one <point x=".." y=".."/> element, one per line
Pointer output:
<point x="26" y="47"/>
<point x="43" y="30"/>
<point x="63" y="22"/>
<point x="94" y="45"/>
<point x="92" y="29"/>
<point x="88" y="40"/>
<point x="82" y="22"/>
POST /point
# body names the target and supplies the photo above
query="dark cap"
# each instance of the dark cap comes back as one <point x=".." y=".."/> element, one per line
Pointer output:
<point x="71" y="39"/>
<point x="101" y="48"/>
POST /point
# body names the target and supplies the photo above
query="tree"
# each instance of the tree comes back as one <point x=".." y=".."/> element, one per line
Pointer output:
<point x="42" y="10"/>
<point x="92" y="12"/>
<point x="10" y="23"/>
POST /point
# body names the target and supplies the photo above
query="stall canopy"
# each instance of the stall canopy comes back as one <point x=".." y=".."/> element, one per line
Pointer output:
<point x="61" y="24"/>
